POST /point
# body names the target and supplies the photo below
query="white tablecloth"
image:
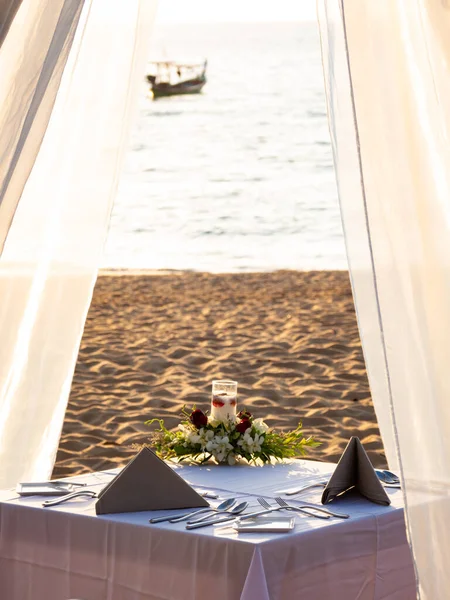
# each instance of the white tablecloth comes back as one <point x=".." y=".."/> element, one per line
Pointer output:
<point x="68" y="552"/>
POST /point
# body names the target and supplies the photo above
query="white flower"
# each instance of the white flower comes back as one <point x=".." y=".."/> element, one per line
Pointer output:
<point x="219" y="446"/>
<point x="231" y="459"/>
<point x="210" y="446"/>
<point x="193" y="437"/>
<point x="190" y="436"/>
<point x="202" y="437"/>
<point x="250" y="444"/>
<point x="219" y="455"/>
<point x="260" y="426"/>
<point x="248" y="437"/>
<point x="258" y="442"/>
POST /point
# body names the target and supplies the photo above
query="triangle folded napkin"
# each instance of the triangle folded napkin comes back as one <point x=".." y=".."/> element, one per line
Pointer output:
<point x="147" y="483"/>
<point x="355" y="471"/>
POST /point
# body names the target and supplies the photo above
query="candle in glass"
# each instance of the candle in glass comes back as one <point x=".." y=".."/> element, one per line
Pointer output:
<point x="224" y="400"/>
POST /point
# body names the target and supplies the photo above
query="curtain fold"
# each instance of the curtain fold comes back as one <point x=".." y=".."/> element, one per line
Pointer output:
<point x="387" y="75"/>
<point x="351" y="189"/>
<point x="54" y="242"/>
<point x="37" y="38"/>
<point x="8" y="9"/>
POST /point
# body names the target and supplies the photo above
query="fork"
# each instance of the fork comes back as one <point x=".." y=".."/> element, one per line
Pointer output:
<point x="225" y="519"/>
<point x="330" y="513"/>
<point x="265" y="504"/>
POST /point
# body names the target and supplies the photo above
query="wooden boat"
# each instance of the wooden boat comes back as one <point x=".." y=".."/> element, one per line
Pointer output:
<point x="173" y="78"/>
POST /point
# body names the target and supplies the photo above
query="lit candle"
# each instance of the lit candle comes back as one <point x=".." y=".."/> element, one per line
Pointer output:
<point x="224" y="400"/>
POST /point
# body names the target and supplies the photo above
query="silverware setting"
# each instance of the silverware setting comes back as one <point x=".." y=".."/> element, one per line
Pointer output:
<point x="389" y="480"/>
<point x="310" y="510"/>
<point x="284" y="505"/>
<point x="312" y="507"/>
<point x="211" y="522"/>
<point x="306" y="509"/>
<point x="233" y="510"/>
<point x="230" y="506"/>
<point x="59" y="482"/>
<point x="210" y="495"/>
<point x="77" y="494"/>
<point x="223" y="506"/>
<point x="186" y="515"/>
<point x="225" y="519"/>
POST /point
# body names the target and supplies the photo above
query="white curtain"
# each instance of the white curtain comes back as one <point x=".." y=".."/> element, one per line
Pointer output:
<point x="92" y="61"/>
<point x="36" y="38"/>
<point x="387" y="76"/>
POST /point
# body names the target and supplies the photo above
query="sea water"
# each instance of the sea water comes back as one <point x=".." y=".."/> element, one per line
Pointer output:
<point x="240" y="177"/>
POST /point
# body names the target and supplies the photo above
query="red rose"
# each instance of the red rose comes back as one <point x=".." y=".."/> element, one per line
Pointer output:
<point x="243" y="426"/>
<point x="244" y="415"/>
<point x="198" y="418"/>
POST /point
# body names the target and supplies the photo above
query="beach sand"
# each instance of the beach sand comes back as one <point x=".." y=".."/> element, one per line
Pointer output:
<point x="153" y="343"/>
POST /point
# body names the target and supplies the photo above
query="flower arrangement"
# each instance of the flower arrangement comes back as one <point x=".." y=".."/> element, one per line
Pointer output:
<point x="200" y="437"/>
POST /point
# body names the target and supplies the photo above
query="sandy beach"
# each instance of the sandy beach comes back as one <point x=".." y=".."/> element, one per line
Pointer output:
<point x="153" y="343"/>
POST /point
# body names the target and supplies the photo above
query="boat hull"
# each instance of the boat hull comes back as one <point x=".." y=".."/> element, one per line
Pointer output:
<point x="161" y="90"/>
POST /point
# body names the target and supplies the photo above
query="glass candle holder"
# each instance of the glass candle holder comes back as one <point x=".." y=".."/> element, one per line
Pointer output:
<point x="224" y="399"/>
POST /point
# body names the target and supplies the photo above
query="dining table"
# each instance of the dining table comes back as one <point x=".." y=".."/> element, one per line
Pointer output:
<point x="67" y="552"/>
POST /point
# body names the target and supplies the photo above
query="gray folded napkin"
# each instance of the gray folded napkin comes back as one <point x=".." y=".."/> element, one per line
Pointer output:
<point x="147" y="483"/>
<point x="355" y="471"/>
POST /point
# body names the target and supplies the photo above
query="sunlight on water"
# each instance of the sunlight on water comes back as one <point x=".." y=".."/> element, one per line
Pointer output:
<point x="239" y="178"/>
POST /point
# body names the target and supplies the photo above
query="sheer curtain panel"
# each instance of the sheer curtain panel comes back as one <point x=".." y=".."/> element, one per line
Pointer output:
<point x="35" y="39"/>
<point x="61" y="201"/>
<point x="8" y="9"/>
<point x="387" y="75"/>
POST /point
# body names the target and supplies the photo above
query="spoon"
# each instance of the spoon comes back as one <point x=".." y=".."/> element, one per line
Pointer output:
<point x="229" y="517"/>
<point x="233" y="510"/>
<point x="384" y="478"/>
<point x="395" y="478"/>
<point x="225" y="505"/>
<point x="387" y="480"/>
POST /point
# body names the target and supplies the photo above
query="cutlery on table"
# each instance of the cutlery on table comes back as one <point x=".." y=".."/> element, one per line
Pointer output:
<point x="267" y="509"/>
<point x="210" y="495"/>
<point x="234" y="510"/>
<point x="223" y="519"/>
<point x="216" y="521"/>
<point x="388" y="478"/>
<point x="284" y="505"/>
<point x="56" y="482"/>
<point x="77" y="494"/>
<point x="307" y="507"/>
<point x="306" y="487"/>
<point x="223" y="507"/>
<point x="395" y="478"/>
<point x="186" y="515"/>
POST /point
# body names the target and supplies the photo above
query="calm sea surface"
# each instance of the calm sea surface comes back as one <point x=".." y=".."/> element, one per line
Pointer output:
<point x="239" y="178"/>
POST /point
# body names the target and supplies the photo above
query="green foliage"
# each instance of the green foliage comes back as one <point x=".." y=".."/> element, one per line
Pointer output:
<point x="223" y="441"/>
